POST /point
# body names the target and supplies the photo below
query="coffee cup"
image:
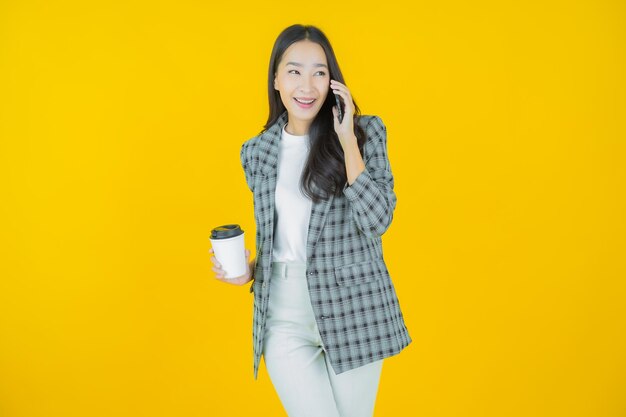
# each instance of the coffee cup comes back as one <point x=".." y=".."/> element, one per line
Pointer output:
<point x="229" y="249"/>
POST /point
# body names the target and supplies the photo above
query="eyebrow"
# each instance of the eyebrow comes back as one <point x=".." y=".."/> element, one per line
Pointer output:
<point x="297" y="64"/>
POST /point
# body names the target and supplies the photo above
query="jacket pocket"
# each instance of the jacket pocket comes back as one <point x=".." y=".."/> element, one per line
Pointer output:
<point x="360" y="272"/>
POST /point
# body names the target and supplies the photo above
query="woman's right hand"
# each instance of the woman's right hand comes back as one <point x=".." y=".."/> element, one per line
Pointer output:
<point x="244" y="279"/>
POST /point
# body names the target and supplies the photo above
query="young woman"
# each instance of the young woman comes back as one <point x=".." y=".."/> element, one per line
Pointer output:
<point x="326" y="313"/>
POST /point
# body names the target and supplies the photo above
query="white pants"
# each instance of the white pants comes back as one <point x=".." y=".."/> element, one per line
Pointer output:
<point x="296" y="361"/>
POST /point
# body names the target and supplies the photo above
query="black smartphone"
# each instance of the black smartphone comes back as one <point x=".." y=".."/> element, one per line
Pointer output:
<point x="339" y="108"/>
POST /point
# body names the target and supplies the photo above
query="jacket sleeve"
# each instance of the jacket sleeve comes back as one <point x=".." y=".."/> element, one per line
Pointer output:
<point x="371" y="196"/>
<point x="243" y="156"/>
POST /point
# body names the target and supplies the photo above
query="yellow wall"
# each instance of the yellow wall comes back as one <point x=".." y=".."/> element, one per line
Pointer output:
<point x="121" y="126"/>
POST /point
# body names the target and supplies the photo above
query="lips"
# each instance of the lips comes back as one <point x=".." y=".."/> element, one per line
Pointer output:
<point x="304" y="100"/>
<point x="304" y="105"/>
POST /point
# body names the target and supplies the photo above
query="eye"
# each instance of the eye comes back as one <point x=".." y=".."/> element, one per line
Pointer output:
<point x="318" y="72"/>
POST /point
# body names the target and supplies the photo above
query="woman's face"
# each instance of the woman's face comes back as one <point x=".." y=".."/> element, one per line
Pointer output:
<point x="303" y="74"/>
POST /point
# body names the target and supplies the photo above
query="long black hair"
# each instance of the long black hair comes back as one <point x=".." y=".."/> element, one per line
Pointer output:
<point x="325" y="170"/>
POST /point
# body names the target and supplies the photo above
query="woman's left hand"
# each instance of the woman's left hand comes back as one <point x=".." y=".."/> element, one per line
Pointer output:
<point x="345" y="129"/>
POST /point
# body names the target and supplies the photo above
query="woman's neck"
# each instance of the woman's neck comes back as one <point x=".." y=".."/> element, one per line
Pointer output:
<point x="295" y="130"/>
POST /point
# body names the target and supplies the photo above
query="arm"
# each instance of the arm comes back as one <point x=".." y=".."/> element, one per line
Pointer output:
<point x="371" y="196"/>
<point x="243" y="156"/>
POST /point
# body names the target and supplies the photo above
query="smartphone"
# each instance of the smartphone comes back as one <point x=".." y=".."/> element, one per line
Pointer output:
<point x="339" y="108"/>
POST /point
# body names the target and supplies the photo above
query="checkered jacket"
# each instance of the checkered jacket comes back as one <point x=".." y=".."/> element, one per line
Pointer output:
<point x="353" y="298"/>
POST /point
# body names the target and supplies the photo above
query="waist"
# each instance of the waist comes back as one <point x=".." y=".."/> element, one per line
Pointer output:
<point x="284" y="269"/>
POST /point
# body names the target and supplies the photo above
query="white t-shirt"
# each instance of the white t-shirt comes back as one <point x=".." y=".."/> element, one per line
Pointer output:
<point x="292" y="208"/>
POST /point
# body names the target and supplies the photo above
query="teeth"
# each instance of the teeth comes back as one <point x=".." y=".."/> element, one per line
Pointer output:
<point x="305" y="102"/>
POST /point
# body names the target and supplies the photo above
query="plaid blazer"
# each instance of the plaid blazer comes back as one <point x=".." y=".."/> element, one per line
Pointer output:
<point x="353" y="298"/>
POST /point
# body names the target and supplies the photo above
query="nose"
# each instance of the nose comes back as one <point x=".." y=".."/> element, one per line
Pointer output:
<point x="306" y="84"/>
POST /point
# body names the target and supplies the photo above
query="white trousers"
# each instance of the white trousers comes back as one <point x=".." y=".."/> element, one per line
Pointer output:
<point x="296" y="361"/>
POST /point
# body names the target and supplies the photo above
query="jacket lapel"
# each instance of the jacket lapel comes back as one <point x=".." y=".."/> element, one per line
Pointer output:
<point x="269" y="149"/>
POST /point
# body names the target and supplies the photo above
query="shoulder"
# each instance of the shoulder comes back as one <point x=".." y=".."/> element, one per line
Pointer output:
<point x="372" y="125"/>
<point x="249" y="146"/>
<point x="374" y="128"/>
<point x="248" y="149"/>
<point x="375" y="134"/>
<point x="250" y="143"/>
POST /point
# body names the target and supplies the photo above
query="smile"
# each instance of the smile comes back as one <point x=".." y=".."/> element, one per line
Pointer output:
<point x="305" y="104"/>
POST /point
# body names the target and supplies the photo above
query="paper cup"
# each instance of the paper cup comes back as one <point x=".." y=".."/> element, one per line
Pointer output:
<point x="229" y="248"/>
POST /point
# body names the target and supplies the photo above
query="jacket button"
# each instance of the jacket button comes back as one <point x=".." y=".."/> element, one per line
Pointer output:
<point x="264" y="284"/>
<point x="311" y="273"/>
<point x="323" y="317"/>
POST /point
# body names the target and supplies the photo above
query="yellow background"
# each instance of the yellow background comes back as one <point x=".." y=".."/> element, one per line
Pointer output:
<point x="121" y="124"/>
